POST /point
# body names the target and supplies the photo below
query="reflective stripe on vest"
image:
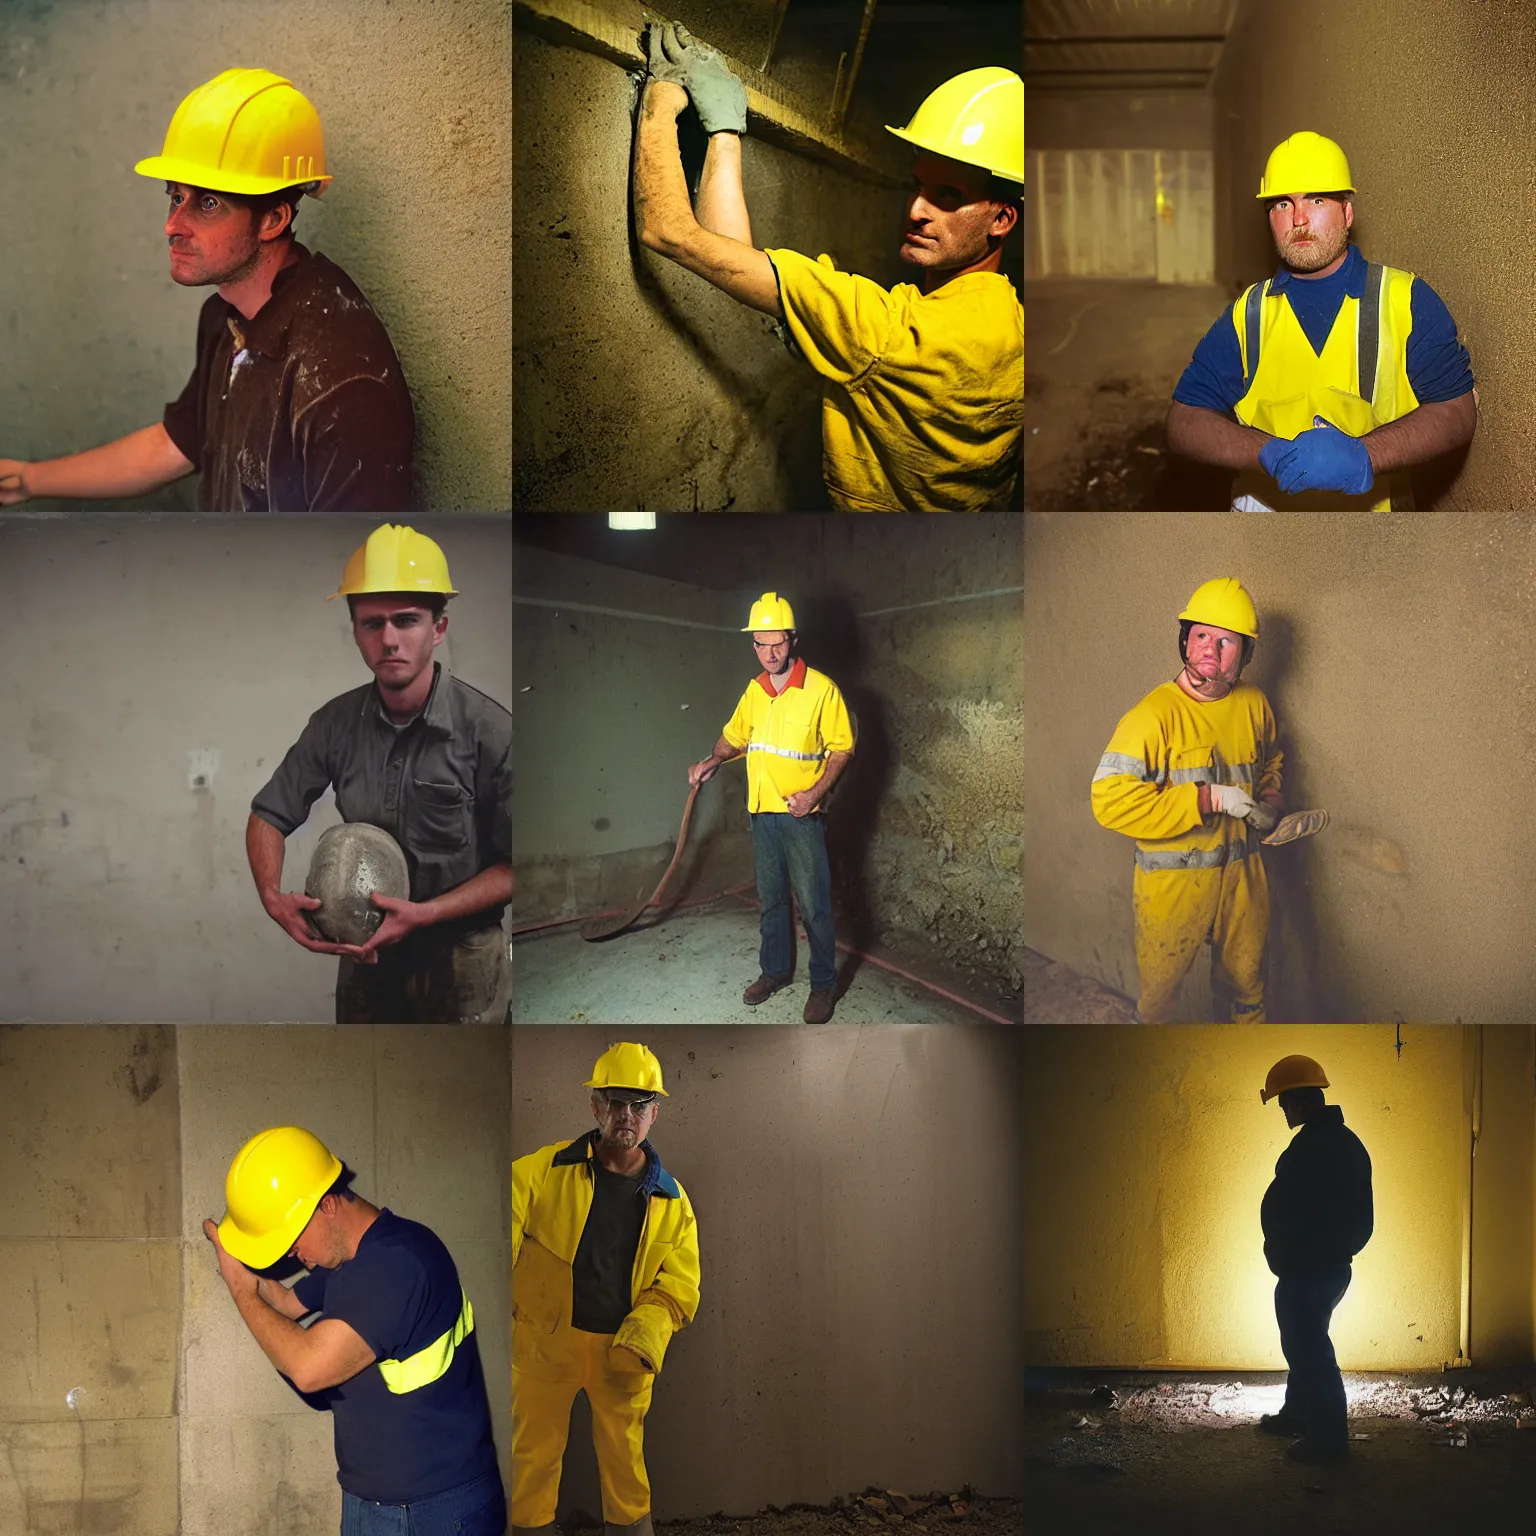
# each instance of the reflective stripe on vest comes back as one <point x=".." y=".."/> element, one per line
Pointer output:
<point x="1113" y="764"/>
<point x="427" y="1365"/>
<point x="799" y="757"/>
<point x="1152" y="859"/>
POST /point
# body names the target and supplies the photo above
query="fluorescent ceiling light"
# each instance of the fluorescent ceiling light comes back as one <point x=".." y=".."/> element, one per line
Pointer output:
<point x="631" y="519"/>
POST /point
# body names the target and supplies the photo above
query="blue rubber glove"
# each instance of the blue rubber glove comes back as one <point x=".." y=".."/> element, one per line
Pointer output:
<point x="1322" y="459"/>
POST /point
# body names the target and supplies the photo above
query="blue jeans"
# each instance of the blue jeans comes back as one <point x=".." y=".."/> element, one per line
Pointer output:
<point x="1314" y="1389"/>
<point x="472" y="1509"/>
<point x="789" y="853"/>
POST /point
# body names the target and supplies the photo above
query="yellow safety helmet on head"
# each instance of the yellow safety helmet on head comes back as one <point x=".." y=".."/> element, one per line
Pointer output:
<point x="1305" y="162"/>
<point x="1225" y="603"/>
<point x="396" y="559"/>
<point x="628" y="1065"/>
<point x="1292" y="1072"/>
<point x="977" y="118"/>
<point x="246" y="131"/>
<point x="770" y="611"/>
<point x="271" y="1191"/>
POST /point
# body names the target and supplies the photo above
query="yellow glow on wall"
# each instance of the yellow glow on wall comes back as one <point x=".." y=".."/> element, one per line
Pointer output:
<point x="1148" y="1153"/>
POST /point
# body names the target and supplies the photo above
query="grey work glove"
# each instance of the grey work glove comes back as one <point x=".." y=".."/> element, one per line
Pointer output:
<point x="717" y="95"/>
<point x="1263" y="817"/>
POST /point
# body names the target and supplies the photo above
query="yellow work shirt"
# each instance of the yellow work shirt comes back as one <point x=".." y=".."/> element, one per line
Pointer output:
<point x="923" y="406"/>
<point x="788" y="735"/>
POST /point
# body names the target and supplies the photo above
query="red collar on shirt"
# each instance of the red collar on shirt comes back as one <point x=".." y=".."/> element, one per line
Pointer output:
<point x="796" y="678"/>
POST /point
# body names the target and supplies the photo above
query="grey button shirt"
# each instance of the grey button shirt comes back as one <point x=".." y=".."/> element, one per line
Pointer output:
<point x="441" y="787"/>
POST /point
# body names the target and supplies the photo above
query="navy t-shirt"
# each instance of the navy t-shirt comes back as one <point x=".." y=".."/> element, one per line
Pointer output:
<point x="1438" y="365"/>
<point x="401" y="1293"/>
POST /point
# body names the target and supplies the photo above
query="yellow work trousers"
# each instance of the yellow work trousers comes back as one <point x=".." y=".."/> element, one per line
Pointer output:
<point x="548" y="1370"/>
<point x="1177" y="910"/>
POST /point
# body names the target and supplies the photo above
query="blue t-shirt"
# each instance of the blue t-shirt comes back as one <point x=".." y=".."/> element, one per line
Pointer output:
<point x="1438" y="365"/>
<point x="401" y="1293"/>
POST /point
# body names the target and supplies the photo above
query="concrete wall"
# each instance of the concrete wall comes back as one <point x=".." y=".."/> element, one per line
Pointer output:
<point x="1460" y="112"/>
<point x="145" y="642"/>
<point x="859" y="1313"/>
<point x="414" y="99"/>
<point x="1117" y="120"/>
<point x="1390" y="649"/>
<point x="132" y="1398"/>
<point x="1148" y="1154"/>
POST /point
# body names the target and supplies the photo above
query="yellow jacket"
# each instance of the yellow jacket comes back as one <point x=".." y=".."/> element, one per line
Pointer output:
<point x="788" y="735"/>
<point x="923" y="406"/>
<point x="1147" y="782"/>
<point x="551" y="1200"/>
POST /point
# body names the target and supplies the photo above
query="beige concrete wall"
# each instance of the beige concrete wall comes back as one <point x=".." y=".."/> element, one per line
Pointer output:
<point x="414" y="98"/>
<point x="1117" y="120"/>
<point x="857" y="1193"/>
<point x="148" y="641"/>
<point x="1459" y="115"/>
<point x="1390" y="649"/>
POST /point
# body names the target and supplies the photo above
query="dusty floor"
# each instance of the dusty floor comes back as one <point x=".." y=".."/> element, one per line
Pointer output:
<point x="1428" y="1454"/>
<point x="690" y="968"/>
<point x="1103" y="358"/>
<point x="963" y="1513"/>
<point x="1053" y="994"/>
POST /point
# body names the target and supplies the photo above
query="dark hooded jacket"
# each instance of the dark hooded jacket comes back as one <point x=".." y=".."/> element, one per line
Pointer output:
<point x="1318" y="1211"/>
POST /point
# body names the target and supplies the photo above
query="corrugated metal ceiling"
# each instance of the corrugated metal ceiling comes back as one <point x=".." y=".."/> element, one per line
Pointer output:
<point x="1077" y="45"/>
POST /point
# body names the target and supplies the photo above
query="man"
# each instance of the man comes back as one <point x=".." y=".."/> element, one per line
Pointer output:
<point x="1317" y="1215"/>
<point x="1193" y="774"/>
<point x="428" y="759"/>
<point x="794" y="728"/>
<point x="1322" y="386"/>
<point x="923" y="401"/>
<point x="394" y="1357"/>
<point x="297" y="402"/>
<point x="605" y="1269"/>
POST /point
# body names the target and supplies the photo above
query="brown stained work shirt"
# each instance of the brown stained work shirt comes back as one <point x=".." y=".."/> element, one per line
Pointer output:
<point x="441" y="787"/>
<point x="302" y="408"/>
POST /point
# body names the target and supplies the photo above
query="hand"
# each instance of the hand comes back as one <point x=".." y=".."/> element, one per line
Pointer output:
<point x="14" y="487"/>
<point x="801" y="803"/>
<point x="718" y="96"/>
<point x="1322" y="459"/>
<point x="703" y="771"/>
<point x="232" y="1272"/>
<point x="1263" y="818"/>
<point x="1231" y="800"/>
<point x="402" y="917"/>
<point x="287" y="909"/>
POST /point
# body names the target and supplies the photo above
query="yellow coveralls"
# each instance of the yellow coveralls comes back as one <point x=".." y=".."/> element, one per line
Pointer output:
<point x="1195" y="879"/>
<point x="552" y="1361"/>
<point x="923" y="405"/>
<point x="1292" y="384"/>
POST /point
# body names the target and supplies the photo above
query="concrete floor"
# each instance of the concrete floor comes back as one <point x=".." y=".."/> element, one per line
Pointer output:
<point x="1103" y="358"/>
<point x="1056" y="994"/>
<point x="691" y="968"/>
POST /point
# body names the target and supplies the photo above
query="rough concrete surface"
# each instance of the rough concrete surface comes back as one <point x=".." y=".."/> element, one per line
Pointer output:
<point x="859" y="1317"/>
<point x="857" y="1513"/>
<point x="1378" y="657"/>
<point x="1056" y="994"/>
<point x="152" y="641"/>
<point x="414" y="100"/>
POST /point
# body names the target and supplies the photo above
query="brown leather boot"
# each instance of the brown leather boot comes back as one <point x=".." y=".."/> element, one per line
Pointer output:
<point x="818" y="1006"/>
<point x="764" y="988"/>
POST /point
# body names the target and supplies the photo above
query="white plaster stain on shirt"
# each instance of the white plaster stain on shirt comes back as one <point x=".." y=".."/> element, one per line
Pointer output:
<point x="241" y="359"/>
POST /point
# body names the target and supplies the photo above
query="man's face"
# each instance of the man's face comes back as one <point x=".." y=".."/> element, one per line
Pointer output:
<point x="1312" y="230"/>
<point x="773" y="647"/>
<point x="624" y="1116"/>
<point x="1213" y="654"/>
<point x="321" y="1245"/>
<point x="212" y="240"/>
<point x="396" y="637"/>
<point x="949" y="218"/>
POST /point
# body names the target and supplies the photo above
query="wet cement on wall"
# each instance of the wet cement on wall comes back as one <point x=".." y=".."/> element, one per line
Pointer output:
<point x="859" y="1319"/>
<point x="414" y="101"/>
<point x="1390" y="649"/>
<point x="149" y="642"/>
<point x="1453" y="132"/>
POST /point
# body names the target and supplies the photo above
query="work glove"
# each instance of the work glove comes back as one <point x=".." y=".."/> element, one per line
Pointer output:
<point x="717" y="95"/>
<point x="1231" y="800"/>
<point x="1321" y="459"/>
<point x="1262" y="818"/>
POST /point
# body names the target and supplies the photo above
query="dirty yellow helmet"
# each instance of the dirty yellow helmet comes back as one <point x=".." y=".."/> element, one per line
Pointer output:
<point x="770" y="611"/>
<point x="396" y="559"/>
<point x="1225" y="603"/>
<point x="1292" y="1072"/>
<point x="628" y="1066"/>
<point x="977" y="117"/>
<point x="246" y="131"/>
<point x="271" y="1191"/>
<point x="1305" y="162"/>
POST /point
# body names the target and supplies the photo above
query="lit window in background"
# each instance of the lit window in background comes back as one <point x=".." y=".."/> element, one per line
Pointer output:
<point x="631" y="519"/>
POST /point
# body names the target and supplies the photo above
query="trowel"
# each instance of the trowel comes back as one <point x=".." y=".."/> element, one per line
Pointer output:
<point x="596" y="929"/>
<point x="1297" y="824"/>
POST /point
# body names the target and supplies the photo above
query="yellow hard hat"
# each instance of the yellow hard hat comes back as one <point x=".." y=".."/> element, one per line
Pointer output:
<point x="1305" y="162"/>
<point x="977" y="117"/>
<point x="628" y="1066"/>
<point x="1292" y="1072"/>
<point x="770" y="611"/>
<point x="271" y="1191"/>
<point x="396" y="559"/>
<point x="245" y="131"/>
<point x="1225" y="603"/>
